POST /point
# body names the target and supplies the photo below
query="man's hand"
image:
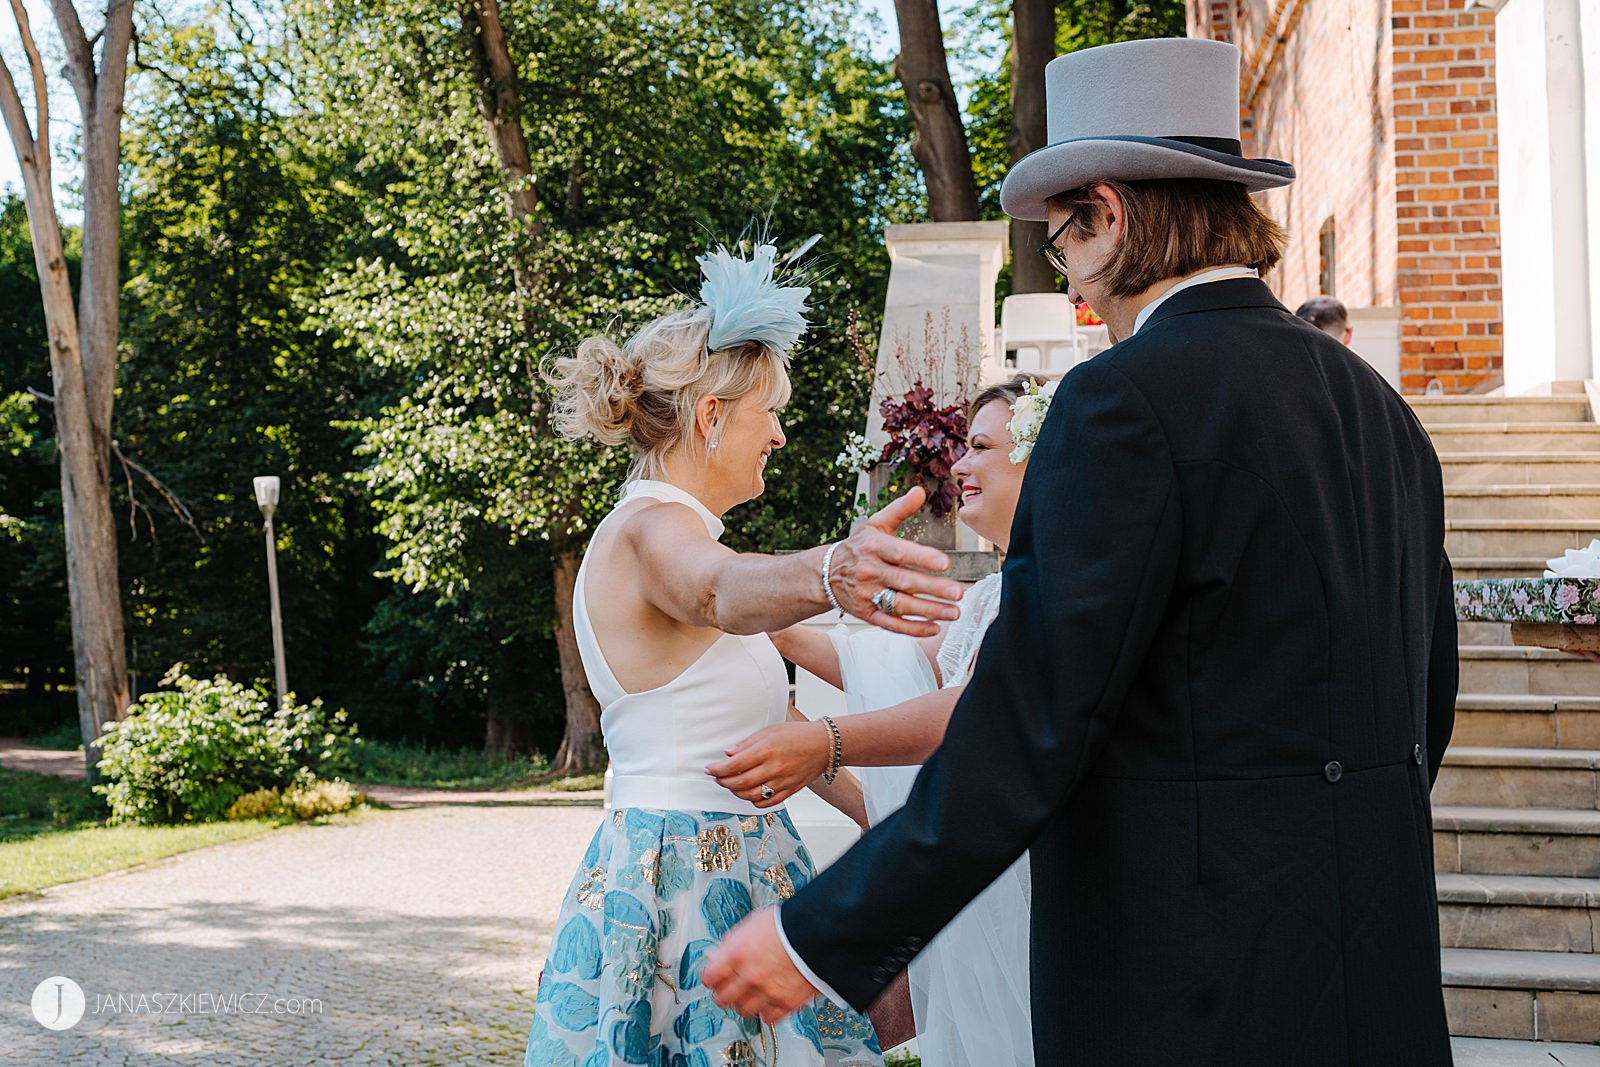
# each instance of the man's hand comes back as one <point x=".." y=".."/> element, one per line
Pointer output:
<point x="750" y="972"/>
<point x="873" y="559"/>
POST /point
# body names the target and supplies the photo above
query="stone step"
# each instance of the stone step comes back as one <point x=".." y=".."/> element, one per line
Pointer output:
<point x="1483" y="633"/>
<point x="1501" y="1052"/>
<point x="1548" y="842"/>
<point x="1520" y="468"/>
<point x="1548" y="996"/>
<point x="1438" y="410"/>
<point x="1519" y="777"/>
<point x="1528" y="538"/>
<point x="1527" y="720"/>
<point x="1523" y="502"/>
<point x="1521" y="670"/>
<point x="1516" y="437"/>
<point x="1518" y="912"/>
<point x="1469" y="568"/>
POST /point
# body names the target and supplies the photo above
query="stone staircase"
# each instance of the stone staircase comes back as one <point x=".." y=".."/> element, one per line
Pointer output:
<point x="1517" y="805"/>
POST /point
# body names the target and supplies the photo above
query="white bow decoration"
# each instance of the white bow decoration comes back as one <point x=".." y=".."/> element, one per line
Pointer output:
<point x="1576" y="563"/>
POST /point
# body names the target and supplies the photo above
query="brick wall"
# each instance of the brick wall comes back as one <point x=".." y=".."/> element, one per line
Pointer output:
<point x="1387" y="111"/>
<point x="1447" y="194"/>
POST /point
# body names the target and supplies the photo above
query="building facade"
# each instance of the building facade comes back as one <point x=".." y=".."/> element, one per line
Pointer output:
<point x="1388" y="110"/>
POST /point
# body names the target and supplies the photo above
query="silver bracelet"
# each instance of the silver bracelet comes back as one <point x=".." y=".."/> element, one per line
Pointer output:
<point x="827" y="586"/>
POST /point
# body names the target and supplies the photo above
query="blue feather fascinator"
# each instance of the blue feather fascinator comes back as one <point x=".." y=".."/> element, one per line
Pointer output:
<point x="748" y="303"/>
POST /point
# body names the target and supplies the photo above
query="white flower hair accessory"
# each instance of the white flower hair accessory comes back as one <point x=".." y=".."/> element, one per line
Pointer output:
<point x="1027" y="416"/>
<point x="747" y="303"/>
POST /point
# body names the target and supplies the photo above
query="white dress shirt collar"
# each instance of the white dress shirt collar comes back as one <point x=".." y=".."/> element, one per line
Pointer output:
<point x="1218" y="274"/>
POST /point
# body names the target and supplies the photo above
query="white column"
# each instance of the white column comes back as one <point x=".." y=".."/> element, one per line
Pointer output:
<point x="938" y="315"/>
<point x="1548" y="200"/>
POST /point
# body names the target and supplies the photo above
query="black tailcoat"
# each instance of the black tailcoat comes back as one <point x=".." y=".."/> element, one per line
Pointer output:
<point x="1219" y="686"/>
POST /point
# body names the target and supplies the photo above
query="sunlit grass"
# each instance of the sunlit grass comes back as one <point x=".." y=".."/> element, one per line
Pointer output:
<point x="51" y="858"/>
<point x="393" y="763"/>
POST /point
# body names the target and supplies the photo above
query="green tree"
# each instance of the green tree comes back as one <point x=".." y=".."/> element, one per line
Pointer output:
<point x="653" y="127"/>
<point x="231" y="224"/>
<point x="35" y="633"/>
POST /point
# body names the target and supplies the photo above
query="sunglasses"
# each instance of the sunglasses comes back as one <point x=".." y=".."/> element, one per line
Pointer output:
<point x="1053" y="255"/>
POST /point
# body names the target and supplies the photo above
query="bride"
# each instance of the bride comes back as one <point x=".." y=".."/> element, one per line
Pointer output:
<point x="671" y="627"/>
<point x="969" y="989"/>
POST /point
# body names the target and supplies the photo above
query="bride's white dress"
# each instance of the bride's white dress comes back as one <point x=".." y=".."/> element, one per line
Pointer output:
<point x="969" y="987"/>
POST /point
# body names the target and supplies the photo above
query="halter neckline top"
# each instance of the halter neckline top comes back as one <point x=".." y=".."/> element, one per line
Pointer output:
<point x="660" y="740"/>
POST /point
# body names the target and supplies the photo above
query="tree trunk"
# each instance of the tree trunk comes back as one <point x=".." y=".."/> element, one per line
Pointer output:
<point x="938" y="141"/>
<point x="509" y="731"/>
<point x="502" y="116"/>
<point x="581" y="747"/>
<point x="1033" y="45"/>
<point x="83" y="340"/>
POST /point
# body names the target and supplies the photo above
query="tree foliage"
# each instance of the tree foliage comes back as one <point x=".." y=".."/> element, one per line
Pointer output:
<point x="319" y="285"/>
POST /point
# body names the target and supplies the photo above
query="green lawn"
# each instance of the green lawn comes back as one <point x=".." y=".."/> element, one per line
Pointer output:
<point x="394" y="763"/>
<point x="58" y="856"/>
<point x="52" y="831"/>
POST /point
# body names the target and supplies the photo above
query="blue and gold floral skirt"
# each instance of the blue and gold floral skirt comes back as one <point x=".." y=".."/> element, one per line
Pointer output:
<point x="655" y="892"/>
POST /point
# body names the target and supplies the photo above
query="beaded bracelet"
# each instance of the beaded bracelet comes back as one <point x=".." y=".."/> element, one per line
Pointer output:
<point x="827" y="586"/>
<point x="838" y="750"/>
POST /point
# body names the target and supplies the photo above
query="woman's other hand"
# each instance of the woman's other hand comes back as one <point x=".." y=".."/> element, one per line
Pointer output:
<point x="786" y="758"/>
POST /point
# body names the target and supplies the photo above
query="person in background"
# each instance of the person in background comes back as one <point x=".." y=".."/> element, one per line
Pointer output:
<point x="1328" y="315"/>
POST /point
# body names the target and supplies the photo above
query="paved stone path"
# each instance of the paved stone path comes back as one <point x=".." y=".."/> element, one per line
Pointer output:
<point x="420" y="932"/>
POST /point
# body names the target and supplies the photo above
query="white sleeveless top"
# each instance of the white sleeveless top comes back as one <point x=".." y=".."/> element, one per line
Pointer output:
<point x="660" y="740"/>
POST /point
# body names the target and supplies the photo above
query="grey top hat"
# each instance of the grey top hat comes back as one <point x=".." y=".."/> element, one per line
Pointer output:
<point x="1163" y="108"/>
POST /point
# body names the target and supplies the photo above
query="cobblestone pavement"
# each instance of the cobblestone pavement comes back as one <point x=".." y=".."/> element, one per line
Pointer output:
<point x="421" y="933"/>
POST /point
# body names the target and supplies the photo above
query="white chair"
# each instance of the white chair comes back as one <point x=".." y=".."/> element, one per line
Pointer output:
<point x="1042" y="328"/>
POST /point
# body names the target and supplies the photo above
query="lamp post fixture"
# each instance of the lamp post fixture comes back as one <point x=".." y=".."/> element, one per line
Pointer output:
<point x="267" y="500"/>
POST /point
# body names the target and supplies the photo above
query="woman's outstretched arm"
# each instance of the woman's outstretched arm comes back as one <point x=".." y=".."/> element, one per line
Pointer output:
<point x="792" y="755"/>
<point x="698" y="581"/>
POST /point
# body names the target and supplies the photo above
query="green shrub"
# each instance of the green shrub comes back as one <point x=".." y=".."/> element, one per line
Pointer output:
<point x="260" y="804"/>
<point x="187" y="753"/>
<point x="299" y="802"/>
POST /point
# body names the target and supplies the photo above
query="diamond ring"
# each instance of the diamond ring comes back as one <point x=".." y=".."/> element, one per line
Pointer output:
<point x="884" y="600"/>
<point x="767" y="792"/>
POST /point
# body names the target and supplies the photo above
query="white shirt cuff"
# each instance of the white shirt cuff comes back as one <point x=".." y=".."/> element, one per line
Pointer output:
<point x="806" y="972"/>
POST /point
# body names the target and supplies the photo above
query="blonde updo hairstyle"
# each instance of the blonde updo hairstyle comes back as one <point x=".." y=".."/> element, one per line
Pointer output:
<point x="645" y="392"/>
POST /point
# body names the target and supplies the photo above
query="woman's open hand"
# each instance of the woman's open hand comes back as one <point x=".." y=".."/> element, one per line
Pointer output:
<point x="873" y="559"/>
<point x="786" y="757"/>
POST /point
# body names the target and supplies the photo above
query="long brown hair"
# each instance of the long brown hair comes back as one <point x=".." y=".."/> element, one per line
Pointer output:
<point x="1174" y="227"/>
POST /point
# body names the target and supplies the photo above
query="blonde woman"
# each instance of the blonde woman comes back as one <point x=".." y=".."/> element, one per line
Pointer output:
<point x="671" y="627"/>
<point x="968" y="990"/>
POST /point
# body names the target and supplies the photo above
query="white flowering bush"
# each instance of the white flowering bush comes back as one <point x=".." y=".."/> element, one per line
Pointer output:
<point x="1027" y="417"/>
<point x="859" y="455"/>
<point x="187" y="753"/>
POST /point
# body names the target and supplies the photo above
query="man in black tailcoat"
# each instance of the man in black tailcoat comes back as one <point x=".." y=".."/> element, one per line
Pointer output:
<point x="1223" y="672"/>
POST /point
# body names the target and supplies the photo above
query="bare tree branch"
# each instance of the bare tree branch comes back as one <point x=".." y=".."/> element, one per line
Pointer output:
<point x="179" y="508"/>
<point x="113" y="62"/>
<point x="80" y="53"/>
<point x="41" y="91"/>
<point x="16" y="119"/>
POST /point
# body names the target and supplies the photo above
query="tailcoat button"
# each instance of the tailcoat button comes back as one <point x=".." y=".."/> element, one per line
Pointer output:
<point x="1333" y="772"/>
<point x="1416" y="755"/>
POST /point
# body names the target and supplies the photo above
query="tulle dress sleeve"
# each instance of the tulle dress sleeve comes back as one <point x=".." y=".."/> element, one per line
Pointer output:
<point x="880" y="669"/>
